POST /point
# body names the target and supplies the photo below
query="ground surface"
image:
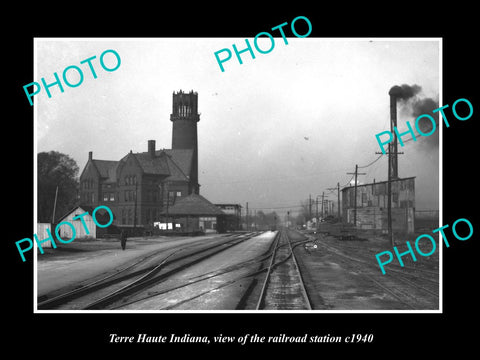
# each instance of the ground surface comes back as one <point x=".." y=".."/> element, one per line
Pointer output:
<point x="80" y="261"/>
<point x="339" y="274"/>
<point x="344" y="274"/>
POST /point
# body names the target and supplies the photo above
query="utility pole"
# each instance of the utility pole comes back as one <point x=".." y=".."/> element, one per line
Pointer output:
<point x="168" y="201"/>
<point x="338" y="198"/>
<point x="355" y="194"/>
<point x="389" y="192"/>
<point x="310" y="207"/>
<point x="338" y="189"/>
<point x="246" y="218"/>
<point x="135" y="208"/>
<point x="54" y="205"/>
<point x="323" y="196"/>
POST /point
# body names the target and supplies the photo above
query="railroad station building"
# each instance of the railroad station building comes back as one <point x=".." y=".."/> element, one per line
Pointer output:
<point x="194" y="213"/>
<point x="140" y="186"/>
<point x="372" y="205"/>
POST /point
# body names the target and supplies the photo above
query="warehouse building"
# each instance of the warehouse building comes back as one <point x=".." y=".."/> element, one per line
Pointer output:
<point x="372" y="205"/>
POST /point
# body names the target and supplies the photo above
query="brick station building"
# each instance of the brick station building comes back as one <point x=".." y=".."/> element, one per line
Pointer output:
<point x="139" y="186"/>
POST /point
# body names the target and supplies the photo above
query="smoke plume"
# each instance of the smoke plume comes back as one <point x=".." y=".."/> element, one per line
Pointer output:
<point x="404" y="92"/>
<point x="412" y="105"/>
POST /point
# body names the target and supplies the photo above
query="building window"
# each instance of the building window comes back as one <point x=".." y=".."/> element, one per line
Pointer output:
<point x="112" y="196"/>
<point x="364" y="198"/>
<point x="395" y="199"/>
<point x="179" y="193"/>
<point x="105" y="197"/>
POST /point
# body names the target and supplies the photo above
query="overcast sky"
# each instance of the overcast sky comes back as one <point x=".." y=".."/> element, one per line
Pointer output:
<point x="272" y="131"/>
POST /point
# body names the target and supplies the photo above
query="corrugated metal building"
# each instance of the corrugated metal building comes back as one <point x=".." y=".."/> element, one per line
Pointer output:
<point x="372" y="202"/>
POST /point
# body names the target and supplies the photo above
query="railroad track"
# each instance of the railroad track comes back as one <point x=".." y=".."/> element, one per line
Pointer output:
<point x="283" y="287"/>
<point x="248" y="272"/>
<point x="230" y="275"/>
<point x="139" y="275"/>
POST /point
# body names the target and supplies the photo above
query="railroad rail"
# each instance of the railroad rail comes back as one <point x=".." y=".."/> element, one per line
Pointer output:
<point x="145" y="272"/>
<point x="283" y="287"/>
<point x="248" y="271"/>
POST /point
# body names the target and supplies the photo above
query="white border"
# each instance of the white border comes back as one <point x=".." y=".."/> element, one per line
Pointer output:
<point x="240" y="312"/>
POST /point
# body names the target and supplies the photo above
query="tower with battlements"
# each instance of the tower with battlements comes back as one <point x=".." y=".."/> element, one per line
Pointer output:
<point x="184" y="132"/>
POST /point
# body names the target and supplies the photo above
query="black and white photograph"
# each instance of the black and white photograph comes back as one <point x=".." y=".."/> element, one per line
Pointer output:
<point x="261" y="187"/>
<point x="224" y="180"/>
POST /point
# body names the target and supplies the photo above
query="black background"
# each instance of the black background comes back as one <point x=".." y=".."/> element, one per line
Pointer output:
<point x="63" y="335"/>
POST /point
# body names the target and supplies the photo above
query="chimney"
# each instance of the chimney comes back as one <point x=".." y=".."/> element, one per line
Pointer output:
<point x="392" y="152"/>
<point x="151" y="147"/>
<point x="90" y="155"/>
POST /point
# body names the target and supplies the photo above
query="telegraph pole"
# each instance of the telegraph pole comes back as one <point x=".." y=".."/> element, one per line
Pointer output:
<point x="355" y="194"/>
<point x="54" y="205"/>
<point x="338" y="198"/>
<point x="310" y="207"/>
<point x="135" y="208"/>
<point x="246" y="218"/>
<point x="338" y="190"/>
<point x="323" y="197"/>
<point x="389" y="191"/>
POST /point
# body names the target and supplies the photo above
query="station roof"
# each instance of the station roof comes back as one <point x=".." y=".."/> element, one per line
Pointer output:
<point x="377" y="183"/>
<point x="193" y="205"/>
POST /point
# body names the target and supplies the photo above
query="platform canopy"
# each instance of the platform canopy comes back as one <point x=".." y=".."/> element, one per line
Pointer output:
<point x="193" y="205"/>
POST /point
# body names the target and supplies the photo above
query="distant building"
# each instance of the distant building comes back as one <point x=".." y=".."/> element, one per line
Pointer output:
<point x="372" y="202"/>
<point x="140" y="186"/>
<point x="233" y="217"/>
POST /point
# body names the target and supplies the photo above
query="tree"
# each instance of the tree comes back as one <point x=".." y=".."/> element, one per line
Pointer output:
<point x="55" y="169"/>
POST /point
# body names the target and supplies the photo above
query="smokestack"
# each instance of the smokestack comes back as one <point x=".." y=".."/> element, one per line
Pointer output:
<point x="151" y="148"/>
<point x="90" y="155"/>
<point x="392" y="147"/>
<point x="403" y="92"/>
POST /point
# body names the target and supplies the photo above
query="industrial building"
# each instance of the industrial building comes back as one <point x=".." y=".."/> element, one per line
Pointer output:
<point x="371" y="205"/>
